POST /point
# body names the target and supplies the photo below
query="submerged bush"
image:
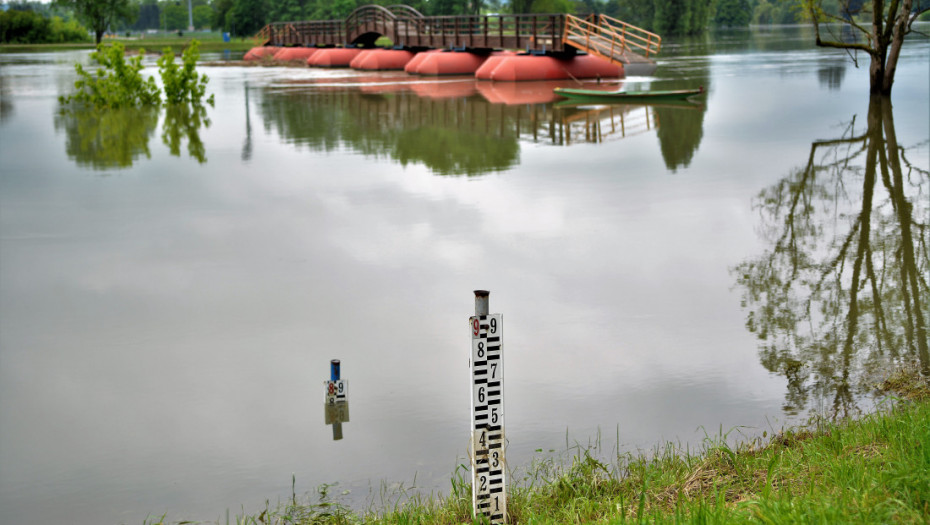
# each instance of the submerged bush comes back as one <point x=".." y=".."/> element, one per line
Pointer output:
<point x="182" y="83"/>
<point x="116" y="95"/>
<point x="118" y="83"/>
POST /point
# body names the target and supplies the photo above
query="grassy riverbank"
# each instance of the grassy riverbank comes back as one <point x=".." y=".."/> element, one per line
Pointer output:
<point x="209" y="42"/>
<point x="872" y="470"/>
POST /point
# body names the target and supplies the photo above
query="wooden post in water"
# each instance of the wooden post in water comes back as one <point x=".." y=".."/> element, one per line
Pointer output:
<point x="488" y="467"/>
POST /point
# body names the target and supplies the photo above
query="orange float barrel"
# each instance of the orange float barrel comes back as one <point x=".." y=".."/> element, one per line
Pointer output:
<point x="528" y="67"/>
<point x="590" y="66"/>
<point x="382" y="59"/>
<point x="257" y="53"/>
<point x="535" y="67"/>
<point x="295" y="54"/>
<point x="484" y="72"/>
<point x="450" y="63"/>
<point x="361" y="56"/>
<point x="418" y="59"/>
<point x="333" y="57"/>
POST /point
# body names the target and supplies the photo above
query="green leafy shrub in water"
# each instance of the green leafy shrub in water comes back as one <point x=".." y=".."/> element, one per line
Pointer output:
<point x="116" y="90"/>
<point x="182" y="84"/>
<point x="118" y="83"/>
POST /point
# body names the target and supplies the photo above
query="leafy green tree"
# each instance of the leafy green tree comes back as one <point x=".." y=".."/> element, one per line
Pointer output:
<point x="775" y="12"/>
<point x="203" y="16"/>
<point x="149" y="16"/>
<point x="672" y="17"/>
<point x="329" y="9"/>
<point x="733" y="13"/>
<point x="68" y="31"/>
<point x="220" y="9"/>
<point x="702" y="11"/>
<point x="587" y="7"/>
<point x="248" y="16"/>
<point x="640" y="13"/>
<point x="99" y="15"/>
<point x="448" y="7"/>
<point x="553" y="6"/>
<point x="174" y="16"/>
<point x="665" y="17"/>
<point x="681" y="17"/>
<point x="29" y="27"/>
<point x="285" y="11"/>
<point x="20" y="27"/>
<point x="763" y="13"/>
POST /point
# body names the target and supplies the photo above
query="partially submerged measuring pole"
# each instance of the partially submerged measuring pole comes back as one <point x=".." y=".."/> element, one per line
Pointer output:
<point x="336" y="407"/>
<point x="488" y="486"/>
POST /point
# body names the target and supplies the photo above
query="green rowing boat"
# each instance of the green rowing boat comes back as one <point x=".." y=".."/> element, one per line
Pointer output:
<point x="627" y="96"/>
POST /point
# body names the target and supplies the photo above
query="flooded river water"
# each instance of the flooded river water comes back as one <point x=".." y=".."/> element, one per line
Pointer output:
<point x="173" y="286"/>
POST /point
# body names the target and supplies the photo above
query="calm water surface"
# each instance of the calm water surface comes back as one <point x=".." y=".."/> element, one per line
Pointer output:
<point x="174" y="284"/>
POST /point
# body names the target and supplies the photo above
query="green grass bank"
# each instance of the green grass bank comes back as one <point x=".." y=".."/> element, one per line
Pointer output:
<point x="210" y="42"/>
<point x="875" y="469"/>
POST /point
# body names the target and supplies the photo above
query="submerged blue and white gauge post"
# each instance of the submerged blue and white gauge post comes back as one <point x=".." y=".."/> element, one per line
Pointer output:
<point x="336" y="404"/>
<point x="489" y="493"/>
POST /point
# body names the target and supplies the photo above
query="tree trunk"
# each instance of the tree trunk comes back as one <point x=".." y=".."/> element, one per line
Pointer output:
<point x="894" y="48"/>
<point x="98" y="36"/>
<point x="877" y="74"/>
<point x="885" y="39"/>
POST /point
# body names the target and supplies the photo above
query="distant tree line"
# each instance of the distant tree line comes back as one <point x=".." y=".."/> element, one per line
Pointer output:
<point x="666" y="17"/>
<point x="246" y="17"/>
<point x="38" y="23"/>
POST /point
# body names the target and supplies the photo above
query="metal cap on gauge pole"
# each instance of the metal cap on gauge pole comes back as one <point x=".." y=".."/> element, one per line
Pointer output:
<point x="481" y="302"/>
<point x="334" y="372"/>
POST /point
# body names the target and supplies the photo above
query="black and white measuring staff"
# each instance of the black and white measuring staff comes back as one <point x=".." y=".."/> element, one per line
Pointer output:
<point x="489" y="492"/>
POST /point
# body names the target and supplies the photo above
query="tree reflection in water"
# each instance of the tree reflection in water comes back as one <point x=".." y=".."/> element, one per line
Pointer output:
<point x="842" y="292"/>
<point x="185" y="120"/>
<point x="680" y="130"/>
<point x="116" y="138"/>
<point x="451" y="136"/>
<point x="467" y="134"/>
<point x="110" y="139"/>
